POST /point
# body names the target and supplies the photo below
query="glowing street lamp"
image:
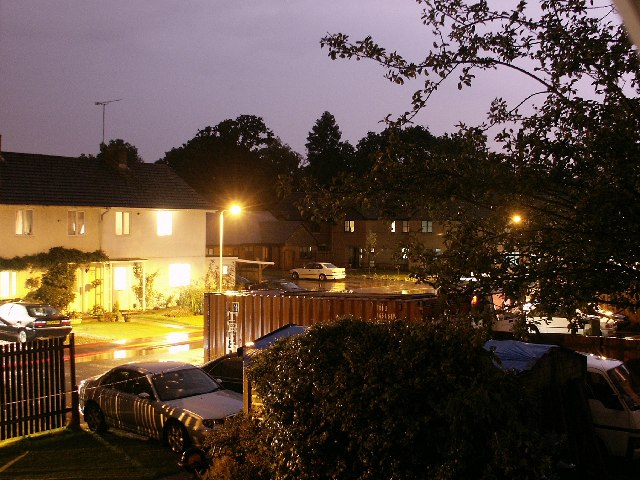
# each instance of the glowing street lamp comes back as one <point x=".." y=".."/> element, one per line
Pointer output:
<point x="235" y="210"/>
<point x="516" y="218"/>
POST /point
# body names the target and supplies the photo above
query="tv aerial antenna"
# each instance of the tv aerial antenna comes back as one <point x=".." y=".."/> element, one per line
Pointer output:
<point x="104" y="107"/>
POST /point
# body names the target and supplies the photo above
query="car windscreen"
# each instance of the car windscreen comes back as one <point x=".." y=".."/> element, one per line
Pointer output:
<point x="42" y="311"/>
<point x="183" y="383"/>
<point x="628" y="384"/>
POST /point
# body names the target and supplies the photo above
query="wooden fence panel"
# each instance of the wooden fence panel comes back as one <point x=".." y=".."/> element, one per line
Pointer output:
<point x="259" y="314"/>
<point x="33" y="393"/>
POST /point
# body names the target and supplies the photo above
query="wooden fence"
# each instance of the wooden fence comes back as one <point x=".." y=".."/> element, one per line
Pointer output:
<point x="232" y="320"/>
<point x="33" y="387"/>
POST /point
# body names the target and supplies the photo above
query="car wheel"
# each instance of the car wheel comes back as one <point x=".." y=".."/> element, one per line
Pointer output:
<point x="295" y="275"/>
<point x="176" y="436"/>
<point x="322" y="277"/>
<point x="94" y="418"/>
<point x="22" y="336"/>
<point x="533" y="329"/>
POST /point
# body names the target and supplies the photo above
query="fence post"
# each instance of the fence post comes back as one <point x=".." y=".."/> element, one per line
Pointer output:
<point x="75" y="399"/>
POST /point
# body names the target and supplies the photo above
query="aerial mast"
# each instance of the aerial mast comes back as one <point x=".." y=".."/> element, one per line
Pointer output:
<point x="104" y="106"/>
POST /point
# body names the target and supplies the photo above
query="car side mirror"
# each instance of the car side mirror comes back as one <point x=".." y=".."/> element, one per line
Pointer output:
<point x="144" y="395"/>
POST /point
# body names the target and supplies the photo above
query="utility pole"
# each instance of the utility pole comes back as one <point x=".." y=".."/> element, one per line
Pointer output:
<point x="104" y="106"/>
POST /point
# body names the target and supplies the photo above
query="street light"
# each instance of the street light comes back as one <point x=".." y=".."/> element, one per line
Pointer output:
<point x="234" y="209"/>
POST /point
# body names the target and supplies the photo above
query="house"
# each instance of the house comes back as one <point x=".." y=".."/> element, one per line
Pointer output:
<point x="147" y="221"/>
<point x="362" y="239"/>
<point x="260" y="236"/>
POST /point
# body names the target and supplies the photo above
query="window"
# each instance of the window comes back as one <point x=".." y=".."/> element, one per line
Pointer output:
<point x="349" y="226"/>
<point x="7" y="284"/>
<point x="24" y="222"/>
<point x="405" y="253"/>
<point x="427" y="226"/>
<point x="75" y="222"/>
<point x="179" y="275"/>
<point x="123" y="223"/>
<point x="165" y="224"/>
<point x="405" y="226"/>
<point x="392" y="227"/>
<point x="120" y="278"/>
<point x="305" y="252"/>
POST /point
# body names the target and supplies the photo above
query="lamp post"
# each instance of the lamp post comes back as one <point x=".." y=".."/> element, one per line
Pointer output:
<point x="235" y="209"/>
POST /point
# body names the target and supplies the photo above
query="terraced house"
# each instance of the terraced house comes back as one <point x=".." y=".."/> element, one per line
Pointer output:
<point x="144" y="218"/>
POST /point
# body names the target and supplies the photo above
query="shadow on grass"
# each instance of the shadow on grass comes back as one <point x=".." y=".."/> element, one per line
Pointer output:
<point x="77" y="454"/>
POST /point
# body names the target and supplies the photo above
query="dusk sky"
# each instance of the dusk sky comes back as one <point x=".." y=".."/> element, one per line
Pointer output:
<point x="180" y="66"/>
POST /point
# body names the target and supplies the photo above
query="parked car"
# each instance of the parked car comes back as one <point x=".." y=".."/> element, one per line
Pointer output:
<point x="174" y="402"/>
<point x="226" y="370"/>
<point x="319" y="271"/>
<point x="282" y="286"/>
<point x="613" y="391"/>
<point x="541" y="323"/>
<point x="22" y="322"/>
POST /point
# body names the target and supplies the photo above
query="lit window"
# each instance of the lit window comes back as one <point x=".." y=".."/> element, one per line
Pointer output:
<point x="225" y="269"/>
<point x="405" y="253"/>
<point x="123" y="223"/>
<point x="427" y="226"/>
<point x="349" y="226"/>
<point x="120" y="278"/>
<point x="405" y="226"/>
<point x="179" y="275"/>
<point x="165" y="224"/>
<point x="393" y="227"/>
<point x="75" y="223"/>
<point x="24" y="222"/>
<point x="7" y="284"/>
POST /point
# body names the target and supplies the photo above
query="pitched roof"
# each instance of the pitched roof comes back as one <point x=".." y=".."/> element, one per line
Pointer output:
<point x="33" y="179"/>
<point x="252" y="228"/>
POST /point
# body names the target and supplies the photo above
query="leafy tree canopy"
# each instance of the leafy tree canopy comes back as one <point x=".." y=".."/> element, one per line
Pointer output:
<point x="564" y="156"/>
<point x="327" y="154"/>
<point x="113" y="149"/>
<point x="235" y="161"/>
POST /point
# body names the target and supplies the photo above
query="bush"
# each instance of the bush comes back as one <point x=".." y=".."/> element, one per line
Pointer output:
<point x="362" y="400"/>
<point x="238" y="451"/>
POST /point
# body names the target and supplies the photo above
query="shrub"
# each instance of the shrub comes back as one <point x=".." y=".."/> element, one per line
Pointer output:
<point x="363" y="400"/>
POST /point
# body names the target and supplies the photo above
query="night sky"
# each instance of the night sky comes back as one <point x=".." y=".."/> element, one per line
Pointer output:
<point x="180" y="66"/>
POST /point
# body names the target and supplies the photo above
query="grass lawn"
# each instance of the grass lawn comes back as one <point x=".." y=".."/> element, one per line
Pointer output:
<point x="139" y="325"/>
<point x="80" y="455"/>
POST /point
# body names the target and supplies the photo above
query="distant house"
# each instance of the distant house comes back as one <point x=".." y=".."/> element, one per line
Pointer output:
<point x="364" y="240"/>
<point x="144" y="217"/>
<point x="259" y="235"/>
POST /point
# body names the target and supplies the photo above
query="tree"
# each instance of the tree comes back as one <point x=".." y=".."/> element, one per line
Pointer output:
<point x="235" y="161"/>
<point x="564" y="156"/>
<point x="327" y="154"/>
<point x="358" y="400"/>
<point x="112" y="149"/>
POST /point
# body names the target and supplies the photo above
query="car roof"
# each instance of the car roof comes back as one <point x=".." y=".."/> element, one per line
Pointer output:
<point x="155" y="367"/>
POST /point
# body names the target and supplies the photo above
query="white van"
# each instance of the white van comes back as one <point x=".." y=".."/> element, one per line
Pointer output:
<point x="614" y="399"/>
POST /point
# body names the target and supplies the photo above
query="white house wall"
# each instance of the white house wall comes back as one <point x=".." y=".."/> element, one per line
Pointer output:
<point x="50" y="229"/>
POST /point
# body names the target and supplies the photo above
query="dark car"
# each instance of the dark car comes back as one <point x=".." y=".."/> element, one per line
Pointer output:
<point x="226" y="370"/>
<point x="175" y="402"/>
<point x="22" y="322"/>
<point x="282" y="286"/>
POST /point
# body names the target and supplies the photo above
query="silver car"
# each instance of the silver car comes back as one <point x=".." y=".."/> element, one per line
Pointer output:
<point x="174" y="402"/>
